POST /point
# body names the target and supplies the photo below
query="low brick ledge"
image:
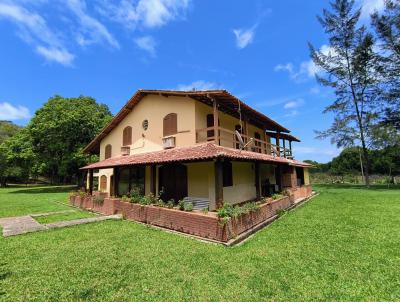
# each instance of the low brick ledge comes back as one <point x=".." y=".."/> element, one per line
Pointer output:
<point x="197" y="224"/>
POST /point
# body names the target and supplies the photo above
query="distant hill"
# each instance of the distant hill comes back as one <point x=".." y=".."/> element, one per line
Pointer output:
<point x="7" y="129"/>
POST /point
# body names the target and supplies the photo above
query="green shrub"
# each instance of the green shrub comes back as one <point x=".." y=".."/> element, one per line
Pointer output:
<point x="277" y="196"/>
<point x="188" y="207"/>
<point x="135" y="194"/>
<point x="181" y="205"/>
<point x="227" y="210"/>
<point x="205" y="211"/>
<point x="170" y="204"/>
<point x="125" y="198"/>
<point x="83" y="194"/>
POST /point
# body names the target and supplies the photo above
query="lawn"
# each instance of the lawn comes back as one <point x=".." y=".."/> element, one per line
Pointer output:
<point x="64" y="216"/>
<point x="20" y="200"/>
<point x="343" y="245"/>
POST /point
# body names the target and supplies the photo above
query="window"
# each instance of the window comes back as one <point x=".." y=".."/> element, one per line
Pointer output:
<point x="227" y="174"/>
<point x="127" y="136"/>
<point x="210" y="123"/>
<point x="107" y="151"/>
<point x="170" y="124"/>
<point x="131" y="178"/>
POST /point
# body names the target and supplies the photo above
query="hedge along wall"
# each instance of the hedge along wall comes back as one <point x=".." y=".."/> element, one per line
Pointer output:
<point x="207" y="226"/>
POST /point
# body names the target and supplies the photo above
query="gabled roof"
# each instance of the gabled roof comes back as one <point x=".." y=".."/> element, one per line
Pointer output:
<point x="199" y="152"/>
<point x="227" y="103"/>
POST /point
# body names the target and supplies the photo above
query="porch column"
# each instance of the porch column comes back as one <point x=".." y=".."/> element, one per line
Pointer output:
<point x="284" y="148"/>
<point x="278" y="176"/>
<point x="278" y="137"/>
<point x="219" y="189"/>
<point x="91" y="181"/>
<point x="116" y="180"/>
<point x="216" y="124"/>
<point x="290" y="148"/>
<point x="153" y="179"/>
<point x="257" y="179"/>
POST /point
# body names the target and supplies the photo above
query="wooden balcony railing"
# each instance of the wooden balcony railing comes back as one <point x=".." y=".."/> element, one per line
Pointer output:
<point x="227" y="138"/>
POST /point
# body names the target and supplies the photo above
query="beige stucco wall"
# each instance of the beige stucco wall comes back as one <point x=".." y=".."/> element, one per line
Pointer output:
<point x="107" y="173"/>
<point x="153" y="108"/>
<point x="243" y="183"/>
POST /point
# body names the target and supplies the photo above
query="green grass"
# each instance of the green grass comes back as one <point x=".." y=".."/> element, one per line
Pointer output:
<point x="64" y="216"/>
<point x="20" y="200"/>
<point x="344" y="245"/>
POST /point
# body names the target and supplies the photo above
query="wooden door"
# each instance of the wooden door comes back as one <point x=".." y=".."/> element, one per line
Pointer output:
<point x="103" y="183"/>
<point x="173" y="182"/>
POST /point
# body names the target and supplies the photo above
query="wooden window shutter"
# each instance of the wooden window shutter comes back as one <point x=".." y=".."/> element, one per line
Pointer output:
<point x="103" y="183"/>
<point x="127" y="136"/>
<point x="107" y="152"/>
<point x="170" y="124"/>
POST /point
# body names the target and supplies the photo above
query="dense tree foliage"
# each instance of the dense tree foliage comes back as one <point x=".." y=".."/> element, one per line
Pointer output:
<point x="383" y="162"/>
<point x="50" y="145"/>
<point x="7" y="130"/>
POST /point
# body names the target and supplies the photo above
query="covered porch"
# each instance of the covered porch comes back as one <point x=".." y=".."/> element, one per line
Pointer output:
<point x="205" y="172"/>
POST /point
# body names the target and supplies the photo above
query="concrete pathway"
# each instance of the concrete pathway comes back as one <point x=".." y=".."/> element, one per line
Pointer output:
<point x="19" y="225"/>
<point x="13" y="226"/>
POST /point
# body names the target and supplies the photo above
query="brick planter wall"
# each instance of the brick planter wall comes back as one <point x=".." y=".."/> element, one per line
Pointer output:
<point x="207" y="226"/>
<point x="301" y="192"/>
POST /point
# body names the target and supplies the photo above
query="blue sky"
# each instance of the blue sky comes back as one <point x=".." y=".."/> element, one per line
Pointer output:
<point x="108" y="49"/>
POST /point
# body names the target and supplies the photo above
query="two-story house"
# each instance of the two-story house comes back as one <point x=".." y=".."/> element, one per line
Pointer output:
<point x="196" y="144"/>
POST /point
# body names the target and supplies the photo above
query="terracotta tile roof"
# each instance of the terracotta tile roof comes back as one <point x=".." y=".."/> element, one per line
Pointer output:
<point x="228" y="103"/>
<point x="200" y="152"/>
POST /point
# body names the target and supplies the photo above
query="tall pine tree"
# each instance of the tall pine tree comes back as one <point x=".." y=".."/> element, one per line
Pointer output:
<point x="348" y="65"/>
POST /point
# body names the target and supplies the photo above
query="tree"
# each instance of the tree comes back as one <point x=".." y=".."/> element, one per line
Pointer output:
<point x="15" y="158"/>
<point x="59" y="131"/>
<point x="349" y="67"/>
<point x="387" y="27"/>
<point x="7" y="130"/>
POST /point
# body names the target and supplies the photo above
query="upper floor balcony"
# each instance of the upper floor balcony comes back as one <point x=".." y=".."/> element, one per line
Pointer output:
<point x="228" y="138"/>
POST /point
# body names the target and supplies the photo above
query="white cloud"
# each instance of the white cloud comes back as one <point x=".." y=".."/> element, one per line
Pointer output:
<point x="34" y="30"/>
<point x="90" y="27"/>
<point x="198" y="85"/>
<point x="54" y="54"/>
<point x="244" y="36"/>
<point x="147" y="13"/>
<point x="10" y="112"/>
<point x="147" y="43"/>
<point x="292" y="107"/>
<point x="307" y="69"/>
<point x="294" y="104"/>
<point x="370" y="6"/>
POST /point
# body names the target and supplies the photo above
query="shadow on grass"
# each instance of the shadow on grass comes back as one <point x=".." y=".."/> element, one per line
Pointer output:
<point x="42" y="190"/>
<point x="357" y="187"/>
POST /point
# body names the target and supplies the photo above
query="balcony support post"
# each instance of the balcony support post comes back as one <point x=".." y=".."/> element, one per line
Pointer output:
<point x="215" y="115"/>
<point x="278" y="138"/>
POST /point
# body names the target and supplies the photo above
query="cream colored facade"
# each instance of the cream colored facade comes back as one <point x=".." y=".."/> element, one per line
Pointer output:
<point x="191" y="116"/>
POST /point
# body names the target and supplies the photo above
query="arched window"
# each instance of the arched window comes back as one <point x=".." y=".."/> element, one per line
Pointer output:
<point x="107" y="153"/>
<point x="103" y="183"/>
<point x="170" y="124"/>
<point x="127" y="136"/>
